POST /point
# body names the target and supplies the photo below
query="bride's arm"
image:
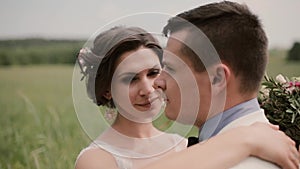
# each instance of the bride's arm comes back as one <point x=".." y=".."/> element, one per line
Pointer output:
<point x="231" y="147"/>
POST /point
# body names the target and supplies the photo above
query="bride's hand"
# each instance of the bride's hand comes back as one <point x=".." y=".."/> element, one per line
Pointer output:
<point x="273" y="145"/>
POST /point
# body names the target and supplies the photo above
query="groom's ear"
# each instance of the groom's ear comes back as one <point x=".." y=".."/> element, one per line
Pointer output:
<point x="220" y="77"/>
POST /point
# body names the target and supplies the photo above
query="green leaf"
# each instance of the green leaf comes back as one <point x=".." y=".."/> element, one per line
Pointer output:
<point x="293" y="106"/>
<point x="298" y="111"/>
<point x="293" y="118"/>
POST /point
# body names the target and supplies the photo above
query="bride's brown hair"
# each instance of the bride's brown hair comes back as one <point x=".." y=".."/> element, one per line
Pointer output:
<point x="98" y="63"/>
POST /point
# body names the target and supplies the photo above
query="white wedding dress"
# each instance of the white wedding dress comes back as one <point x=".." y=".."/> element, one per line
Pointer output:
<point x="134" y="153"/>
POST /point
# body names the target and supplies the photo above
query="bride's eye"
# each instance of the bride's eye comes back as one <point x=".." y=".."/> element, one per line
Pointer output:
<point x="154" y="72"/>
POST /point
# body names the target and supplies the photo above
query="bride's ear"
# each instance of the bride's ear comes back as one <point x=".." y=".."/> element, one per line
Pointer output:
<point x="107" y="95"/>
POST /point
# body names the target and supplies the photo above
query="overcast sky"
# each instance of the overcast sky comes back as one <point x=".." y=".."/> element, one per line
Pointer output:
<point x="79" y="19"/>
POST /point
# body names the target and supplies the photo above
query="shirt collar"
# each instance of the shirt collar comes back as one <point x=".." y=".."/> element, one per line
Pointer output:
<point x="215" y="124"/>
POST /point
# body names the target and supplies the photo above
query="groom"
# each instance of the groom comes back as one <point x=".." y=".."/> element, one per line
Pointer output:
<point x="227" y="79"/>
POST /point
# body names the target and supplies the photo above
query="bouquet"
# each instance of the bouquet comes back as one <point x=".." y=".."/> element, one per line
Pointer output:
<point x="280" y="98"/>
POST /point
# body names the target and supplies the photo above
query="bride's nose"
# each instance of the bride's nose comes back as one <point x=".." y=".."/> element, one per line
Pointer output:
<point x="146" y="87"/>
<point x="159" y="82"/>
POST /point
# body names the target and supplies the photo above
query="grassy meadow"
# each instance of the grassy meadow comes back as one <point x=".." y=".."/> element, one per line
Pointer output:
<point x="39" y="127"/>
<point x="278" y="65"/>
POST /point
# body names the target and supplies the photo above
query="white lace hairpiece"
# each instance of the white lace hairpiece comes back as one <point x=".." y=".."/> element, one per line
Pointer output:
<point x="87" y="61"/>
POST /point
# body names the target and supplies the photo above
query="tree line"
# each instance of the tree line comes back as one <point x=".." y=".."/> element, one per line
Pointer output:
<point x="39" y="51"/>
<point x="43" y="51"/>
<point x="294" y="52"/>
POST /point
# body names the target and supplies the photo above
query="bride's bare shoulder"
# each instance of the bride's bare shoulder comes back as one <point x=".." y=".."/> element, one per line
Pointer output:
<point x="95" y="158"/>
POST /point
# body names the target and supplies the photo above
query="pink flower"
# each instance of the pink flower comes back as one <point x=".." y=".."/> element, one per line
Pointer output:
<point x="290" y="89"/>
<point x="294" y="84"/>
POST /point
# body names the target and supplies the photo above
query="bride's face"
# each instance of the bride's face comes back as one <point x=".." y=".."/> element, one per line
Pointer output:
<point x="132" y="85"/>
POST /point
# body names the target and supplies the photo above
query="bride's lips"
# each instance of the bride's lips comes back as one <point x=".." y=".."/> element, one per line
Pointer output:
<point x="145" y="105"/>
<point x="148" y="103"/>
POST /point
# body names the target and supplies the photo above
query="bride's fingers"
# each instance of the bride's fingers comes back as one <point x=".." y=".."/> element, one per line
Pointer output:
<point x="289" y="140"/>
<point x="292" y="142"/>
<point x="290" y="165"/>
<point x="275" y="127"/>
<point x="294" y="153"/>
<point x="299" y="151"/>
<point x="295" y="157"/>
<point x="298" y="156"/>
<point x="290" y="161"/>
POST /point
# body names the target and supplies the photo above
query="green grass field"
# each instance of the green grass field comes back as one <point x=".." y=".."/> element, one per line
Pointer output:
<point x="39" y="128"/>
<point x="277" y="64"/>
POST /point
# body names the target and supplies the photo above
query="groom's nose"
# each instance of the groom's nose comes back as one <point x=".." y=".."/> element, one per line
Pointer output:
<point x="160" y="81"/>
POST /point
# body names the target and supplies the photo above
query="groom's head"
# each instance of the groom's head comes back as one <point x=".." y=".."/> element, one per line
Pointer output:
<point x="240" y="43"/>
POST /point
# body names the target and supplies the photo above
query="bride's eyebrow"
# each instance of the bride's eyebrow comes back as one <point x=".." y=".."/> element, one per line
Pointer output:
<point x="157" y="66"/>
<point x="132" y="74"/>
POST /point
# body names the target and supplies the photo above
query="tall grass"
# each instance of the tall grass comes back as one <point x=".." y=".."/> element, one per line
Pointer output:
<point x="39" y="128"/>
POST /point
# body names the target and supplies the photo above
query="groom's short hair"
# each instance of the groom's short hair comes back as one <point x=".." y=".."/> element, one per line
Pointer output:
<point x="236" y="34"/>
